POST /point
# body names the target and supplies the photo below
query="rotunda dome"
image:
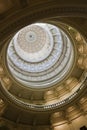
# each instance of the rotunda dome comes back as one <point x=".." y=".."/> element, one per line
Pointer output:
<point x="40" y="55"/>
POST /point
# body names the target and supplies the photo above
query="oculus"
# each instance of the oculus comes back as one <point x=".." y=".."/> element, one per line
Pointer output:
<point x="40" y="55"/>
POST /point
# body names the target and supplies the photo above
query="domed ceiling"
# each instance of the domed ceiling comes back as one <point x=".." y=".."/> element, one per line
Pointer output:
<point x="40" y="55"/>
<point x="44" y="66"/>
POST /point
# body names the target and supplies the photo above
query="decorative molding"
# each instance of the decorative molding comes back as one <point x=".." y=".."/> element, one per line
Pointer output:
<point x="31" y="17"/>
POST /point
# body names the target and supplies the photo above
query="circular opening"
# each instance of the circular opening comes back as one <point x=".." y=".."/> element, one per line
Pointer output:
<point x="40" y="55"/>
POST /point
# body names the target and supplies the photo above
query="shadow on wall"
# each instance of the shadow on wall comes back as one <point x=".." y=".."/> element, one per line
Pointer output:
<point x="4" y="128"/>
<point x="83" y="128"/>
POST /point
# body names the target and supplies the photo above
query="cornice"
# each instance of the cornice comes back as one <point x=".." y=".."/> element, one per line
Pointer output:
<point x="21" y="18"/>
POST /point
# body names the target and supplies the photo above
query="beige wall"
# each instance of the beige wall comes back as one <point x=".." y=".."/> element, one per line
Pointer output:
<point x="75" y="125"/>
